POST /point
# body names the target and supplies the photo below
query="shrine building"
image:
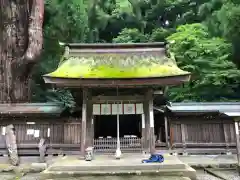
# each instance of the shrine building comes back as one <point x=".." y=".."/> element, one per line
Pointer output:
<point x="129" y="80"/>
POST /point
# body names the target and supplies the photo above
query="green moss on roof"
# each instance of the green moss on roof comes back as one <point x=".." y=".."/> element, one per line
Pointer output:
<point x="116" y="66"/>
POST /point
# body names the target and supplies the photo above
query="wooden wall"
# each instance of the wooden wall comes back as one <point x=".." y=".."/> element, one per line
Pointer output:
<point x="188" y="134"/>
<point x="65" y="135"/>
<point x="199" y="134"/>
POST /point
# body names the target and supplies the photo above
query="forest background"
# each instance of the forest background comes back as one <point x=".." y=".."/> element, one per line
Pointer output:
<point x="203" y="35"/>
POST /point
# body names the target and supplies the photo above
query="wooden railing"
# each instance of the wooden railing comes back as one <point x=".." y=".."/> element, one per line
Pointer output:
<point x="109" y="145"/>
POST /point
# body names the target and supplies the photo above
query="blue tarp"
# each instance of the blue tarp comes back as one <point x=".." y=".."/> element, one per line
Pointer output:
<point x="154" y="158"/>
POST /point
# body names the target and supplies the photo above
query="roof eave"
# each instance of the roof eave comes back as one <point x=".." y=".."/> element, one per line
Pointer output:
<point x="30" y="109"/>
<point x="117" y="82"/>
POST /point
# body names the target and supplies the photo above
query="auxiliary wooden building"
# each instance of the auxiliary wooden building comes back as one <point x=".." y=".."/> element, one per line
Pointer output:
<point x="124" y="79"/>
<point x="33" y="121"/>
<point x="203" y="128"/>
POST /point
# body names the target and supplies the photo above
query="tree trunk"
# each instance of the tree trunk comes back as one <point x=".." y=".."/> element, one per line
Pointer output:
<point x="20" y="47"/>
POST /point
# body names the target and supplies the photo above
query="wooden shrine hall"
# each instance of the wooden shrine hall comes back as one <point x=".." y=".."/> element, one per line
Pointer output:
<point x="117" y="80"/>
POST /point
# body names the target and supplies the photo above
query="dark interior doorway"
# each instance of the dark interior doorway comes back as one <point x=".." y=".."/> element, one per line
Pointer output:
<point x="159" y="127"/>
<point x="106" y="125"/>
<point x="130" y="125"/>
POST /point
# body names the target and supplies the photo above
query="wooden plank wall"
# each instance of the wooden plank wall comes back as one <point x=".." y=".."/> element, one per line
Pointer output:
<point x="189" y="134"/>
<point x="65" y="135"/>
<point x="202" y="135"/>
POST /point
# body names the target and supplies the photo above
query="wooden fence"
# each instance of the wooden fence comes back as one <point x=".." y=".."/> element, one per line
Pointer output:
<point x="199" y="135"/>
<point x="187" y="135"/>
<point x="61" y="137"/>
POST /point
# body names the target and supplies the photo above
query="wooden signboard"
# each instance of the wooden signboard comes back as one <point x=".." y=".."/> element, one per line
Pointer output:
<point x="129" y="109"/>
<point x="96" y="109"/>
<point x="106" y="109"/>
<point x="114" y="109"/>
<point x="117" y="108"/>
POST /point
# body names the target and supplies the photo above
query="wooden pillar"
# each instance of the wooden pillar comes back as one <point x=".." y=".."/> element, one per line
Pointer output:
<point x="166" y="131"/>
<point x="151" y="119"/>
<point x="84" y="119"/>
<point x="143" y="131"/>
<point x="89" y="122"/>
<point x="146" y="129"/>
<point x="149" y="123"/>
<point x="237" y="144"/>
<point x="171" y="137"/>
<point x="92" y="129"/>
<point x="143" y="124"/>
<point x="226" y="138"/>
<point x="183" y="132"/>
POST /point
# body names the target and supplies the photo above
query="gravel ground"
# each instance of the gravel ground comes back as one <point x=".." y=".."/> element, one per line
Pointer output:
<point x="228" y="174"/>
<point x="201" y="175"/>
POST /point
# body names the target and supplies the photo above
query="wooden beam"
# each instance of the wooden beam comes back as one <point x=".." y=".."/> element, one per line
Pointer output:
<point x="103" y="99"/>
<point x="200" y="145"/>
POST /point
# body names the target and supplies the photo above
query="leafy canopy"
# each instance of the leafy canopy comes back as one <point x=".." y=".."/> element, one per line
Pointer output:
<point x="204" y="37"/>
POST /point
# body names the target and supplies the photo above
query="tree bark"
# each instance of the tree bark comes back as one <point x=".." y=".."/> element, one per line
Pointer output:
<point x="20" y="47"/>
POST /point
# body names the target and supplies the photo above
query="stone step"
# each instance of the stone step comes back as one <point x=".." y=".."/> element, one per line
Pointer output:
<point x="187" y="172"/>
<point x="112" y="168"/>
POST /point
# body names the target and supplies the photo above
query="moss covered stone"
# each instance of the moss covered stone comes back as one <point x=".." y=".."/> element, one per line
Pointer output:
<point x="116" y="66"/>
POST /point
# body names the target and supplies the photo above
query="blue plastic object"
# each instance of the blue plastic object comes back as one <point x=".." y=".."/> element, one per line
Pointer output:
<point x="154" y="158"/>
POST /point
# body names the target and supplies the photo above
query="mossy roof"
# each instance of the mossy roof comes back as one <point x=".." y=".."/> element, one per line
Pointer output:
<point x="116" y="65"/>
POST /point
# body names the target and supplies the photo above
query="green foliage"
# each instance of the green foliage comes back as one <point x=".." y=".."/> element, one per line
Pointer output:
<point x="223" y="19"/>
<point x="160" y="34"/>
<point x="204" y="37"/>
<point x="130" y="36"/>
<point x="215" y="77"/>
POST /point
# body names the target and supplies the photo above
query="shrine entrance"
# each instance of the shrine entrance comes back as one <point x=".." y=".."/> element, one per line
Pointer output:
<point x="105" y="128"/>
